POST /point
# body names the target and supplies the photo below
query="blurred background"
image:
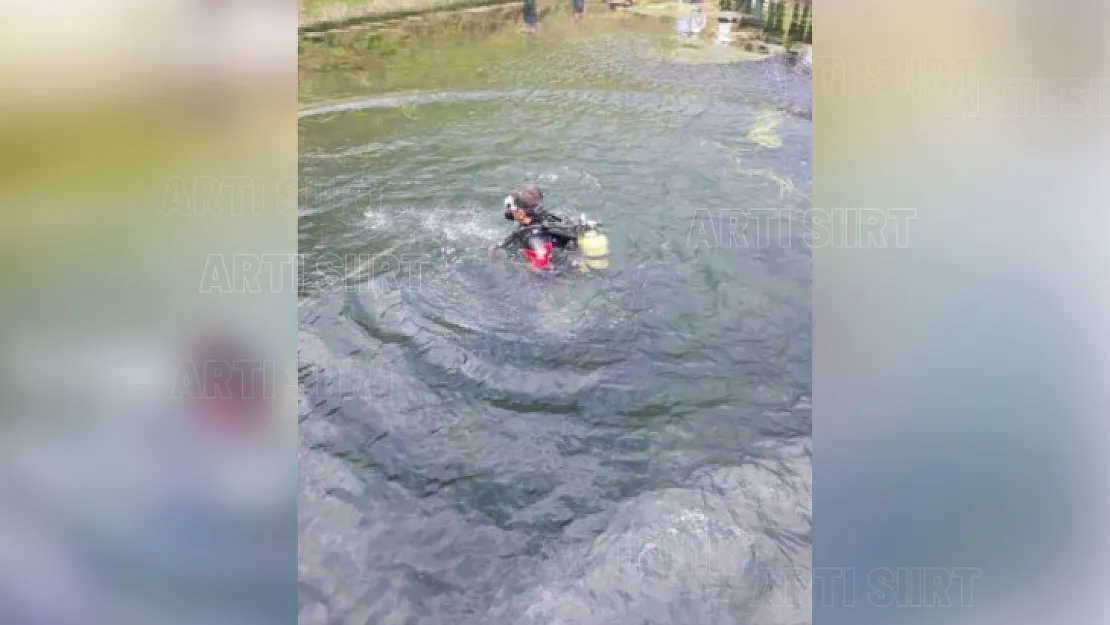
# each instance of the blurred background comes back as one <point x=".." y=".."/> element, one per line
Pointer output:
<point x="960" y="394"/>
<point x="128" y="129"/>
<point x="959" y="382"/>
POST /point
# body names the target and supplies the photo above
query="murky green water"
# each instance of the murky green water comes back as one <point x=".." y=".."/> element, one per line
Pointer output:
<point x="482" y="445"/>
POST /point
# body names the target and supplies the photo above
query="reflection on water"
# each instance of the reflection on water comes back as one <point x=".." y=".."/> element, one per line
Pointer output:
<point x="483" y="445"/>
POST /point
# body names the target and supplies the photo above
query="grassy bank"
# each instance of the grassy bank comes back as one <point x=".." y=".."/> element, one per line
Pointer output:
<point x="317" y="14"/>
<point x="447" y="50"/>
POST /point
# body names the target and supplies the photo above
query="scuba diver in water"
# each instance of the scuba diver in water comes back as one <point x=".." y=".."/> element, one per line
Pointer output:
<point x="541" y="233"/>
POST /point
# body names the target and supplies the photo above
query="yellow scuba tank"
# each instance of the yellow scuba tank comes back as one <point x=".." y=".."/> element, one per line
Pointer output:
<point x="594" y="247"/>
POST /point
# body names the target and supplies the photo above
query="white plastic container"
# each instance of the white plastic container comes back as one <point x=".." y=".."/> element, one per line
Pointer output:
<point x="724" y="30"/>
<point x="682" y="25"/>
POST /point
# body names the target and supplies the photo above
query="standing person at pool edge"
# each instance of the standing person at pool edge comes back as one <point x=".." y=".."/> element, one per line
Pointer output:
<point x="530" y="17"/>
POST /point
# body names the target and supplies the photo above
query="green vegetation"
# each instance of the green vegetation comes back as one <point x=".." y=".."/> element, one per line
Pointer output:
<point x="382" y="52"/>
<point x="441" y="49"/>
<point x="314" y="12"/>
<point x="782" y="20"/>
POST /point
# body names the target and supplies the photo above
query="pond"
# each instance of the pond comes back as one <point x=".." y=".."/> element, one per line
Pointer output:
<point x="480" y="444"/>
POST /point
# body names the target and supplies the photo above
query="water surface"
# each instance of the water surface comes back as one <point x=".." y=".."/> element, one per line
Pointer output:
<point x="483" y="445"/>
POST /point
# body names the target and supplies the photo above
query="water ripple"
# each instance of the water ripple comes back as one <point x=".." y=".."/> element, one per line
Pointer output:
<point x="484" y="445"/>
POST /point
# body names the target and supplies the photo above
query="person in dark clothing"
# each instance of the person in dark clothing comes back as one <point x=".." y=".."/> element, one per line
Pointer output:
<point x="540" y="232"/>
<point x="530" y="16"/>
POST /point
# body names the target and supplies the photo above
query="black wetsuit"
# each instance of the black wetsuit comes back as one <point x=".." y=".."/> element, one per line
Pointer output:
<point x="562" y="234"/>
<point x="548" y="242"/>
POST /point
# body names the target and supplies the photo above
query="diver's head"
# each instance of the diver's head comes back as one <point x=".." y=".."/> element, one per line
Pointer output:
<point x="524" y="204"/>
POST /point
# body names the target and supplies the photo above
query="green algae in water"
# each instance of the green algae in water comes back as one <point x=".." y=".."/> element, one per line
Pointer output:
<point x="763" y="132"/>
